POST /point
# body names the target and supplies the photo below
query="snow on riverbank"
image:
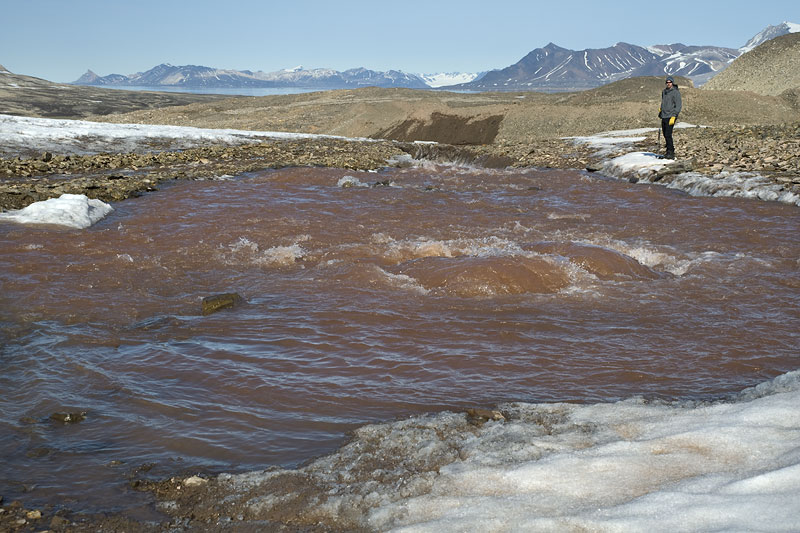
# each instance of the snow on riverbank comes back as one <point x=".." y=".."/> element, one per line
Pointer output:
<point x="69" y="210"/>
<point x="28" y="135"/>
<point x="647" y="167"/>
<point x="630" y="465"/>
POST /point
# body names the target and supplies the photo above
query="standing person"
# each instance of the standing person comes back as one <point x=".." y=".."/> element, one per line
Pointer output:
<point x="668" y="113"/>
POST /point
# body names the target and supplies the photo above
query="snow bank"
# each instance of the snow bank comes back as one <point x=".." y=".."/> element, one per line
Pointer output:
<point x="627" y="466"/>
<point x="70" y="210"/>
<point x="645" y="168"/>
<point x="638" y="164"/>
<point x="32" y="135"/>
<point x="608" y="142"/>
<point x="632" y="465"/>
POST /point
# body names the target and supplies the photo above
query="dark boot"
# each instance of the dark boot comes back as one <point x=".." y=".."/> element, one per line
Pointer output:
<point x="669" y="155"/>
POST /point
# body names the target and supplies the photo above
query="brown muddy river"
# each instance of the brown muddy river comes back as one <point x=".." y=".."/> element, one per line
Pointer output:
<point x="441" y="288"/>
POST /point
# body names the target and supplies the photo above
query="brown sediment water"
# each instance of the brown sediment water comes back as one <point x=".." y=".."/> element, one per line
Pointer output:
<point x="367" y="297"/>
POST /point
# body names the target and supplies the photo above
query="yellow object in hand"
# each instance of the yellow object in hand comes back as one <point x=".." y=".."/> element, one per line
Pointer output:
<point x="671" y="121"/>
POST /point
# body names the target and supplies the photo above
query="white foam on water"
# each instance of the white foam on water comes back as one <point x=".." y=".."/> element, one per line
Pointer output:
<point x="402" y="281"/>
<point x="424" y="247"/>
<point x="650" y="256"/>
<point x="282" y="255"/>
<point x="350" y="181"/>
<point x="70" y="210"/>
<point x="249" y="251"/>
<point x="670" y="260"/>
<point x="567" y="216"/>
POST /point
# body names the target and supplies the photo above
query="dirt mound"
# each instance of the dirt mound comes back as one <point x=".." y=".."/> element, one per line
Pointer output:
<point x="639" y="89"/>
<point x="769" y="69"/>
<point x="449" y="129"/>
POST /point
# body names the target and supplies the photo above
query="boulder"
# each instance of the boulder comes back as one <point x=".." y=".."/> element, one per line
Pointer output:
<point x="218" y="302"/>
<point x="676" y="167"/>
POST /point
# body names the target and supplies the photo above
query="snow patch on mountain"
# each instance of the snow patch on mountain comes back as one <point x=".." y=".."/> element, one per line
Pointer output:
<point x="443" y="79"/>
<point x="770" y="32"/>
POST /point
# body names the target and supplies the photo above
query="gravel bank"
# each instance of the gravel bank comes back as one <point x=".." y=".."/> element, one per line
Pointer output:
<point x="772" y="152"/>
<point x="114" y="177"/>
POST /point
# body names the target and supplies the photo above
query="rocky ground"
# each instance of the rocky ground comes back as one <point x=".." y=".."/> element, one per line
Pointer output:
<point x="114" y="177"/>
<point x="772" y="151"/>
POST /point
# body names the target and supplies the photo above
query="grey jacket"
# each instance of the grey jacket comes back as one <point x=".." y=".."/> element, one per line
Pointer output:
<point x="670" y="102"/>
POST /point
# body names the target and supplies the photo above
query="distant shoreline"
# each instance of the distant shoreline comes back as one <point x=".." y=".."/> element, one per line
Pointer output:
<point x="241" y="91"/>
<point x="230" y="91"/>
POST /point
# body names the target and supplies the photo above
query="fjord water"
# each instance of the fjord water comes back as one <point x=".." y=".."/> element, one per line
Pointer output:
<point x="439" y="288"/>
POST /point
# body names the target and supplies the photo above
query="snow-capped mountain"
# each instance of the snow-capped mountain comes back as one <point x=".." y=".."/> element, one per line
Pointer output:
<point x="449" y="78"/>
<point x="699" y="63"/>
<point x="770" y="32"/>
<point x="554" y="68"/>
<point x="174" y="76"/>
<point x="325" y="78"/>
<point x="194" y="76"/>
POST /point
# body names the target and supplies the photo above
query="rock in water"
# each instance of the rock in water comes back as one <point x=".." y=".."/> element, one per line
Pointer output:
<point x="69" y="418"/>
<point x="218" y="302"/>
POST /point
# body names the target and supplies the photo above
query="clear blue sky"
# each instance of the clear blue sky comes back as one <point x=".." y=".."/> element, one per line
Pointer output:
<point x="60" y="39"/>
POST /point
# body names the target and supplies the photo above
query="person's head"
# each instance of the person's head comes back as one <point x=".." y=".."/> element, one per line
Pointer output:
<point x="670" y="82"/>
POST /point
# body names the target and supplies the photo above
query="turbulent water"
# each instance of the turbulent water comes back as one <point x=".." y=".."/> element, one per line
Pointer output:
<point x="368" y="297"/>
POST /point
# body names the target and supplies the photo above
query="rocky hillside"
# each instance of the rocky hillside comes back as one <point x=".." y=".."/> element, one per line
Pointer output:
<point x="770" y="32"/>
<point x="35" y="97"/>
<point x="769" y="69"/>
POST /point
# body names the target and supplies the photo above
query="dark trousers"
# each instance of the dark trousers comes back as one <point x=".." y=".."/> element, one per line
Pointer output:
<point x="667" y="130"/>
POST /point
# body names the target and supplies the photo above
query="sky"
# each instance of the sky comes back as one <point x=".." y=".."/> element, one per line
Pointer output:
<point x="59" y="40"/>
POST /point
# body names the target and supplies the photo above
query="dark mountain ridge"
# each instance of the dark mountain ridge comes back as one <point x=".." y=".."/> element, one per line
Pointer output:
<point x="554" y="68"/>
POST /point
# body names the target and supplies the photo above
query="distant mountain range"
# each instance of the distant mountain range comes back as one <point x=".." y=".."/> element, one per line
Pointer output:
<point x="550" y="69"/>
<point x="553" y="68"/>
<point x="195" y="76"/>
